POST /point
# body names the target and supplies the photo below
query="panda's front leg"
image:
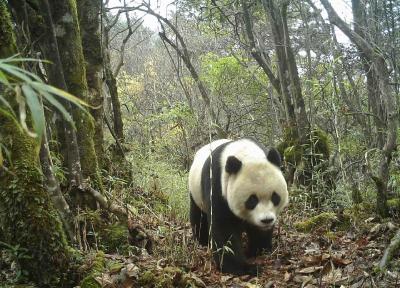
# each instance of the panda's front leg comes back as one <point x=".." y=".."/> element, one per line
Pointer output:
<point x="227" y="248"/>
<point x="259" y="240"/>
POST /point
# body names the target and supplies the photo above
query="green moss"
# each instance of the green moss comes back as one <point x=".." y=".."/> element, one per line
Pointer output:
<point x="29" y="218"/>
<point x="147" y="278"/>
<point x="75" y="76"/>
<point x="97" y="266"/>
<point x="7" y="39"/>
<point x="169" y="277"/>
<point x="114" y="267"/>
<point x="394" y="203"/>
<point x="321" y="143"/>
<point x="322" y="220"/>
<point x="114" y="237"/>
<point x="85" y="134"/>
<point x="314" y="150"/>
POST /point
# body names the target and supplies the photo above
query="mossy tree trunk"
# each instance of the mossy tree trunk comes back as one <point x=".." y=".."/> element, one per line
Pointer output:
<point x="89" y="18"/>
<point x="69" y="38"/>
<point x="29" y="218"/>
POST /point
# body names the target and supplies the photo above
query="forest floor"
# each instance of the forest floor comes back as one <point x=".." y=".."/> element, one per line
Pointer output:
<point x="330" y="254"/>
<point x="324" y="257"/>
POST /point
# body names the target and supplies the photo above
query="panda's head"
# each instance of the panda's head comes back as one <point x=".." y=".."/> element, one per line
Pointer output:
<point x="255" y="188"/>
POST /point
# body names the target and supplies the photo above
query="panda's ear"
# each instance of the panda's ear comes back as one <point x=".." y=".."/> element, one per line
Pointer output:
<point x="233" y="165"/>
<point x="274" y="157"/>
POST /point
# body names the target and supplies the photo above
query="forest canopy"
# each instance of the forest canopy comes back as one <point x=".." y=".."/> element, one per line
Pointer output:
<point x="103" y="105"/>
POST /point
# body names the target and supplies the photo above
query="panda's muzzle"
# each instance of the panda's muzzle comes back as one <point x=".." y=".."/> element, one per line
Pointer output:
<point x="267" y="220"/>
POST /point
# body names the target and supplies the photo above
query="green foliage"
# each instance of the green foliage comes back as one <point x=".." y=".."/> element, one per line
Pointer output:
<point x="165" y="184"/>
<point x="15" y="254"/>
<point x="113" y="237"/>
<point x="30" y="90"/>
<point x="229" y="79"/>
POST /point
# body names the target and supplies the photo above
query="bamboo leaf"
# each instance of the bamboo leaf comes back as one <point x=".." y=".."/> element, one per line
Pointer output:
<point x="1" y="158"/>
<point x="10" y="69"/>
<point x="63" y="94"/>
<point x="14" y="59"/>
<point x="33" y="76"/>
<point x="22" y="110"/>
<point x="36" y="108"/>
<point x="5" y="102"/>
<point x="3" y="79"/>
<point x="53" y="101"/>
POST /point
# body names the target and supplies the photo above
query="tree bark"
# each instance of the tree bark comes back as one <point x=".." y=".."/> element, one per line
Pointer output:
<point x="374" y="102"/>
<point x="387" y="97"/>
<point x="73" y="63"/>
<point x="112" y="86"/>
<point x="89" y="19"/>
<point x="40" y="235"/>
<point x="288" y="73"/>
<point x="53" y="188"/>
<point x="390" y="251"/>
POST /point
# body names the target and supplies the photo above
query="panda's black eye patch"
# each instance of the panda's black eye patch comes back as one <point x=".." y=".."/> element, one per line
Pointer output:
<point x="275" y="198"/>
<point x="251" y="202"/>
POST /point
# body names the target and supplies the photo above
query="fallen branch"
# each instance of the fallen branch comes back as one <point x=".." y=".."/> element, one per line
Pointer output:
<point x="137" y="234"/>
<point x="390" y="251"/>
<point x="120" y="212"/>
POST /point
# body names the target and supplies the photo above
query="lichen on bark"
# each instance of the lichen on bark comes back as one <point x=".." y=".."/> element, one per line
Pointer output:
<point x="69" y="37"/>
<point x="89" y="19"/>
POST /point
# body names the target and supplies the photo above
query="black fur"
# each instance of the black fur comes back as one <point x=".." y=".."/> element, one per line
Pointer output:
<point x="226" y="228"/>
<point x="199" y="223"/>
<point x="233" y="165"/>
<point x="276" y="199"/>
<point x="258" y="241"/>
<point x="274" y="157"/>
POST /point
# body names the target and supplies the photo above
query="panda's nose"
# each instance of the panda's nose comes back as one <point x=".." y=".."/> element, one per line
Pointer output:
<point x="267" y="220"/>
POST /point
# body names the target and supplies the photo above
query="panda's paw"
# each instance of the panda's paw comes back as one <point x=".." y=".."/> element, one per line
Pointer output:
<point x="242" y="269"/>
<point x="253" y="270"/>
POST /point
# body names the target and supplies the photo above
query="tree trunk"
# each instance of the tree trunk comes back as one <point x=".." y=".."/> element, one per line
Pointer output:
<point x="29" y="217"/>
<point x="53" y="188"/>
<point x="388" y="99"/>
<point x="374" y="102"/>
<point x="112" y="88"/>
<point x="116" y="105"/>
<point x="89" y="18"/>
<point x="73" y="62"/>
<point x="288" y="73"/>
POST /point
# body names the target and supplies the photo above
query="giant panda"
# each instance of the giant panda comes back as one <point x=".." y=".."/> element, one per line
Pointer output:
<point x="236" y="186"/>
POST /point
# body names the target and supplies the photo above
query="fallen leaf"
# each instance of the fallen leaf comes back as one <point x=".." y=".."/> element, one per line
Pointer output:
<point x="341" y="261"/>
<point x="310" y="270"/>
<point x="335" y="276"/>
<point x="104" y="280"/>
<point x="303" y="279"/>
<point x="132" y="270"/>
<point x="287" y="276"/>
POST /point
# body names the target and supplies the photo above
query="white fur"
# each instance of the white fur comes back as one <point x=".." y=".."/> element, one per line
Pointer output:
<point x="257" y="176"/>
<point x="197" y="166"/>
